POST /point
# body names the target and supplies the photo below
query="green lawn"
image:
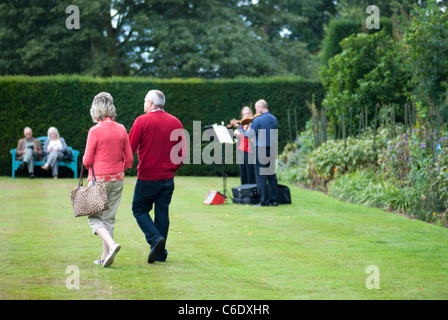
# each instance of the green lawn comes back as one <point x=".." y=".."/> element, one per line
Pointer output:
<point x="315" y="248"/>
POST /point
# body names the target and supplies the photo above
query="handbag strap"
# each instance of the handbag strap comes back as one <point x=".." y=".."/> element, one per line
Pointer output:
<point x="81" y="176"/>
<point x="93" y="175"/>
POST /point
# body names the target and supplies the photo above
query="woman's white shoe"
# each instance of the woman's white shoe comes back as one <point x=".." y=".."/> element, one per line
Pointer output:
<point x="111" y="255"/>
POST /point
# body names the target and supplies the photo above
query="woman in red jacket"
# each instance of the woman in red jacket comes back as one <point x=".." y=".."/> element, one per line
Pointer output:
<point x="108" y="153"/>
<point x="246" y="156"/>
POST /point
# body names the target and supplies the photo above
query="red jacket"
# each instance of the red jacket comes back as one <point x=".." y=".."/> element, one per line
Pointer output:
<point x="160" y="143"/>
<point x="244" y="144"/>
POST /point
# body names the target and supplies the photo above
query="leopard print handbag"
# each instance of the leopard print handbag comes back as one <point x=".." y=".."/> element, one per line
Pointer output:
<point x="89" y="200"/>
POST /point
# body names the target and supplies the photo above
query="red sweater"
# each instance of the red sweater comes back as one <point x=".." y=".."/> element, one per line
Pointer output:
<point x="108" y="145"/>
<point x="150" y="136"/>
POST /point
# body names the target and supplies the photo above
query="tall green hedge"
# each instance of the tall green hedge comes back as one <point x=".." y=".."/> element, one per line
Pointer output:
<point x="339" y="29"/>
<point x="64" y="102"/>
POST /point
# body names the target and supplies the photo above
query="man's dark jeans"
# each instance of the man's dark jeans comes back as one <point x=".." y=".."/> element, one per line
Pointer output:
<point x="266" y="183"/>
<point x="147" y="194"/>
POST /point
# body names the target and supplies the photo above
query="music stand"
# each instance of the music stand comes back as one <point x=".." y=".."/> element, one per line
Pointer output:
<point x="223" y="135"/>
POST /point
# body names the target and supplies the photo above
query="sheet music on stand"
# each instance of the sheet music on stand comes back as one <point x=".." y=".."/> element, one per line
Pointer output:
<point x="223" y="135"/>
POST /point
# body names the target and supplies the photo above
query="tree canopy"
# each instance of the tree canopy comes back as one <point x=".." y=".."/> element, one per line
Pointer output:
<point x="175" y="38"/>
<point x="405" y="67"/>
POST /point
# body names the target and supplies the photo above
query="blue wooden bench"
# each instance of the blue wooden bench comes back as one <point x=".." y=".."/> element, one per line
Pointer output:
<point x="72" y="165"/>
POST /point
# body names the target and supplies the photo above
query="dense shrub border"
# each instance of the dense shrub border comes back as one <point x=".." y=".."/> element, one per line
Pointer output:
<point x="64" y="102"/>
<point x="404" y="172"/>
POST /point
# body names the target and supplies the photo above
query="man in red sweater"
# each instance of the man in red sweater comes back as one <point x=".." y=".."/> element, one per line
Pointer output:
<point x="154" y="136"/>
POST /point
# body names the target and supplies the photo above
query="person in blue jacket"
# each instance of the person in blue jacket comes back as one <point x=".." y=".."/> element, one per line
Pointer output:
<point x="265" y="130"/>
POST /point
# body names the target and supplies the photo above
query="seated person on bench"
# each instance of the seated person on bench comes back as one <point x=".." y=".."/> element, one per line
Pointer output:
<point x="29" y="150"/>
<point x="55" y="147"/>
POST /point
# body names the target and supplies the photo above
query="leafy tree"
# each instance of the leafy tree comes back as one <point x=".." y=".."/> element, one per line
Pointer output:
<point x="426" y="41"/>
<point x="369" y="70"/>
<point x="304" y="20"/>
<point x="34" y="39"/>
<point x="211" y="39"/>
<point x="376" y="68"/>
<point x="25" y="45"/>
<point x="175" y="38"/>
<point x="356" y="9"/>
<point x="318" y="13"/>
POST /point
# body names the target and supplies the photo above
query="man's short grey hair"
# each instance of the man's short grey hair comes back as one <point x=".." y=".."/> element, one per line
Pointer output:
<point x="156" y="97"/>
<point x="52" y="129"/>
<point x="27" y="128"/>
<point x="102" y="107"/>
<point x="262" y="103"/>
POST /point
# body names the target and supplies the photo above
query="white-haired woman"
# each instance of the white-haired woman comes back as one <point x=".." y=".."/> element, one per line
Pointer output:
<point x="54" y="147"/>
<point x="109" y="153"/>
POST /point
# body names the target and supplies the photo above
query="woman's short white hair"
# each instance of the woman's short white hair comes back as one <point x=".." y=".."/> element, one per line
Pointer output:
<point x="156" y="97"/>
<point x="52" y="129"/>
<point x="102" y="107"/>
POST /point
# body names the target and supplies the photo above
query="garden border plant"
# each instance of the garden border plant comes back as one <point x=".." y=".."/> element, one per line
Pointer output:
<point x="388" y="89"/>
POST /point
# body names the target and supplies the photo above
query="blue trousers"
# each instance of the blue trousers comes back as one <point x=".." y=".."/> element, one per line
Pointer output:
<point x="146" y="195"/>
<point x="265" y="176"/>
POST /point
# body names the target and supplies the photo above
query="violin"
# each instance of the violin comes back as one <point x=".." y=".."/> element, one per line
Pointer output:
<point x="243" y="121"/>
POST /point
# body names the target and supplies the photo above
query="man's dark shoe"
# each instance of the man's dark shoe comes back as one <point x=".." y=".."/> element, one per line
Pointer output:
<point x="32" y="175"/>
<point x="156" y="250"/>
<point x="273" y="204"/>
<point x="163" y="256"/>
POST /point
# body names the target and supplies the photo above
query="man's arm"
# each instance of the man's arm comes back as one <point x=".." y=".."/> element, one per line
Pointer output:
<point x="252" y="132"/>
<point x="135" y="136"/>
